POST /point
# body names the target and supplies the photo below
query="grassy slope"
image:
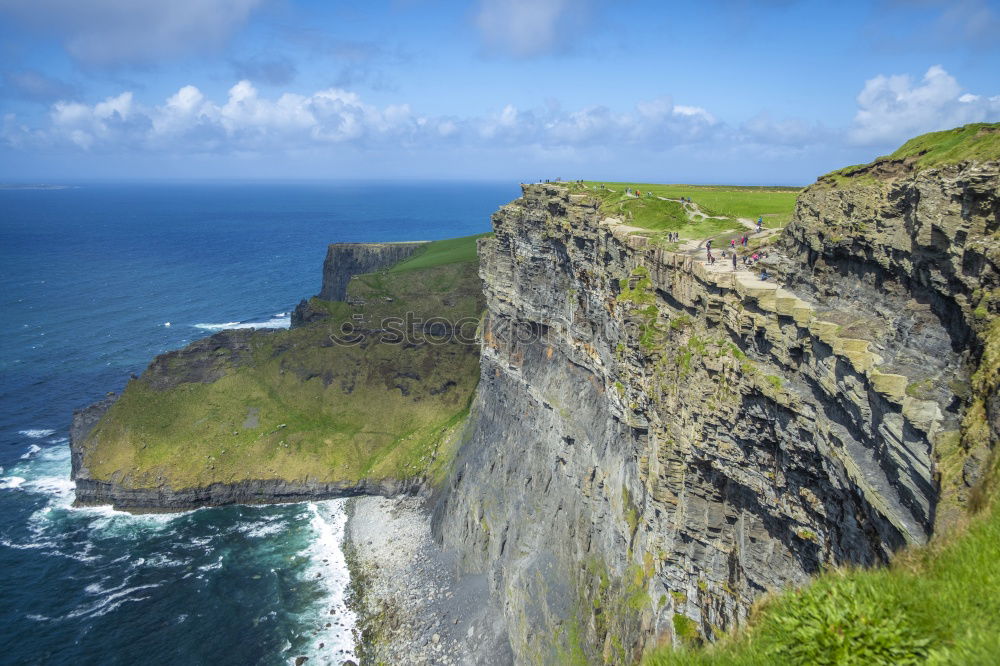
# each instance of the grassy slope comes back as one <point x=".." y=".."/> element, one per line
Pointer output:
<point x="774" y="203"/>
<point x="325" y="411"/>
<point x="978" y="141"/>
<point x="658" y="216"/>
<point x="441" y="253"/>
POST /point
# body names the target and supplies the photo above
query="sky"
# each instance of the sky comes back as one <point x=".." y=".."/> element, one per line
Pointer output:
<point x="716" y="91"/>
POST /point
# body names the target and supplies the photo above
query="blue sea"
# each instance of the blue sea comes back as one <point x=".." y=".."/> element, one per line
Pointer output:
<point x="91" y="275"/>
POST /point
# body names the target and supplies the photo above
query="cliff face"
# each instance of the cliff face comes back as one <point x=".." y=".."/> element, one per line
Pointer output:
<point x="653" y="440"/>
<point x="345" y="260"/>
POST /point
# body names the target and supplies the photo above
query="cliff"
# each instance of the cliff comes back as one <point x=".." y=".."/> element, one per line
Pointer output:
<point x="345" y="260"/>
<point x="361" y="399"/>
<point x="656" y="443"/>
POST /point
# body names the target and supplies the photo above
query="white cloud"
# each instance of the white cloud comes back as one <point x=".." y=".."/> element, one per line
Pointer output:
<point x="894" y="108"/>
<point x="247" y="121"/>
<point x="110" y="32"/>
<point x="526" y="28"/>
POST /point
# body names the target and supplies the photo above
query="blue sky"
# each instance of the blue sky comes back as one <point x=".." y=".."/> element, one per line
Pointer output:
<point x="719" y="91"/>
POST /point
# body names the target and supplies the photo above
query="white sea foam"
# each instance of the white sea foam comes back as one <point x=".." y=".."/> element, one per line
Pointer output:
<point x="36" y="433"/>
<point x="262" y="528"/>
<point x="110" y="602"/>
<point x="11" y="482"/>
<point x="211" y="567"/>
<point x="34" y="448"/>
<point x="328" y="567"/>
<point x="280" y="320"/>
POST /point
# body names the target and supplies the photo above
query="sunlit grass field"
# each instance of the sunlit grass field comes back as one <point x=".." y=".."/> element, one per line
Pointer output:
<point x="775" y="203"/>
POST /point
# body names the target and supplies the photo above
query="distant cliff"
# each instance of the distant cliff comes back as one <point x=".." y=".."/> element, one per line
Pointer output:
<point x="339" y="405"/>
<point x="345" y="260"/>
<point x="656" y="443"/>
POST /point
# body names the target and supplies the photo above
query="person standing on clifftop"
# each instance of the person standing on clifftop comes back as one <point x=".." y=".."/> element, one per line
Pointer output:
<point x="734" y="260"/>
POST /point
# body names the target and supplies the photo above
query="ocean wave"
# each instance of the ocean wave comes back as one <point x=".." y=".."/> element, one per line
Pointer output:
<point x="36" y="433"/>
<point x="11" y="482"/>
<point x="282" y="321"/>
<point x="110" y="602"/>
<point x="262" y="528"/>
<point x="211" y="567"/>
<point x="34" y="448"/>
<point x="34" y="545"/>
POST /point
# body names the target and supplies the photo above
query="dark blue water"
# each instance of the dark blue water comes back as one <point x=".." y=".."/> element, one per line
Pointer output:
<point x="90" y="275"/>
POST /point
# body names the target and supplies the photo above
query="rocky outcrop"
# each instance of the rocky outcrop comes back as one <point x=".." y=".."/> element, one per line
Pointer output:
<point x="656" y="443"/>
<point x="345" y="260"/>
<point x="203" y="361"/>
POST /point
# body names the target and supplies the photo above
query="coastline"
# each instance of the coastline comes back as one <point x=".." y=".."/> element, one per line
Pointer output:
<point x="414" y="605"/>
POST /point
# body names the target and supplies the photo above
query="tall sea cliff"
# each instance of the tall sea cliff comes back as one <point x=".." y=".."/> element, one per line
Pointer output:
<point x="654" y="438"/>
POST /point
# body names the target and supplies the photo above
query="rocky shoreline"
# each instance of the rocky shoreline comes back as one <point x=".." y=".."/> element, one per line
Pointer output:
<point x="413" y="604"/>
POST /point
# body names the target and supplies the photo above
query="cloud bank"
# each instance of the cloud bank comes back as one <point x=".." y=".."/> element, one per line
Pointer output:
<point x="335" y="123"/>
<point x="245" y="121"/>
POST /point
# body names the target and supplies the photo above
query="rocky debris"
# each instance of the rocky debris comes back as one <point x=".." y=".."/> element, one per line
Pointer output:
<point x="652" y="438"/>
<point x="413" y="606"/>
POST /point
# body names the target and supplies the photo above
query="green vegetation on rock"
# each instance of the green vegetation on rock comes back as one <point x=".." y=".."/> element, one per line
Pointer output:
<point x="979" y="142"/>
<point x="976" y="142"/>
<point x="297" y="405"/>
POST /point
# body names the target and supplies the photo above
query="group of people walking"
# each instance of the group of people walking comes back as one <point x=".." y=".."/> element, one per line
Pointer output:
<point x="748" y="260"/>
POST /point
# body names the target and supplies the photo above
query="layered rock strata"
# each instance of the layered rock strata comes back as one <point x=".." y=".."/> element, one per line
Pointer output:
<point x="656" y="443"/>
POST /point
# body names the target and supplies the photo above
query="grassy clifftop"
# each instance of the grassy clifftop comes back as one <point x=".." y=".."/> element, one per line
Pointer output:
<point x="978" y="142"/>
<point x="775" y="204"/>
<point x="311" y="403"/>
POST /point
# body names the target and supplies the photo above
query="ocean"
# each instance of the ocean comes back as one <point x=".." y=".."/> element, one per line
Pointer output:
<point x="91" y="277"/>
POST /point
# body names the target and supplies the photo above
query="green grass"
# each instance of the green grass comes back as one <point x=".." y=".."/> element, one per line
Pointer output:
<point x="934" y="605"/>
<point x="775" y="203"/>
<point x="659" y="217"/>
<point x="975" y="142"/>
<point x="324" y="411"/>
<point x="441" y="253"/>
